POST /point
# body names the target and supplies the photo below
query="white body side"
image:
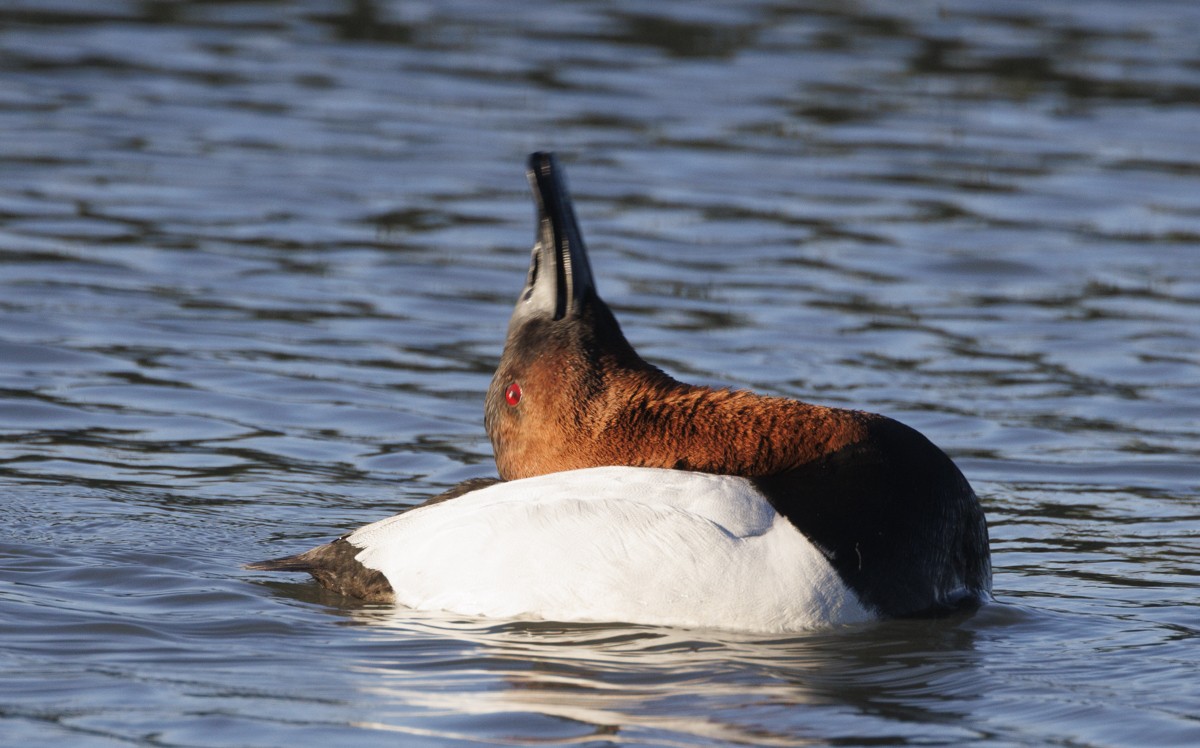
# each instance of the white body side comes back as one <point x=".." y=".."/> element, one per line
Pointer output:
<point x="637" y="545"/>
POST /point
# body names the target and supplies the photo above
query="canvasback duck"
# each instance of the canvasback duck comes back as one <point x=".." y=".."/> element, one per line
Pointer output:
<point x="625" y="495"/>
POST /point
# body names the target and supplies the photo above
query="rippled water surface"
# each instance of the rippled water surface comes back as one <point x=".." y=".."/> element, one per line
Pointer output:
<point x="256" y="263"/>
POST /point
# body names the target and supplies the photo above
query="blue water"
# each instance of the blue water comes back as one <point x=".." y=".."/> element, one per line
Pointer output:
<point x="256" y="264"/>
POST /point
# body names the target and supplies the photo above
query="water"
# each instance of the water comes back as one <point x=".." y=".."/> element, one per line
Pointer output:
<point x="256" y="263"/>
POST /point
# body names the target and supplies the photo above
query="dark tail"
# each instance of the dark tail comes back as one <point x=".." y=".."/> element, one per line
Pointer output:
<point x="334" y="565"/>
<point x="298" y="562"/>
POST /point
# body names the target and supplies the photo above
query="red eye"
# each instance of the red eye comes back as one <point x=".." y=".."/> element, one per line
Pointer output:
<point x="512" y="395"/>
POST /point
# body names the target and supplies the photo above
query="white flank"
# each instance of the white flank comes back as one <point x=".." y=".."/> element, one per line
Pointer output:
<point x="635" y="545"/>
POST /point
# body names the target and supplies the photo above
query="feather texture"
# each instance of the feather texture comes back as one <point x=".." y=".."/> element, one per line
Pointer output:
<point x="639" y="545"/>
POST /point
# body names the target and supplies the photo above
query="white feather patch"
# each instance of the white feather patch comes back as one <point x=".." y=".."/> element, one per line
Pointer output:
<point x="636" y="545"/>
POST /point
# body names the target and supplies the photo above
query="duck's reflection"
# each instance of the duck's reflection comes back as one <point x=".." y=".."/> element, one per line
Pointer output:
<point x="673" y="686"/>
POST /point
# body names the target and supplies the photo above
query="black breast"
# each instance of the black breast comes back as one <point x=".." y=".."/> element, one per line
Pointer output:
<point x="896" y="518"/>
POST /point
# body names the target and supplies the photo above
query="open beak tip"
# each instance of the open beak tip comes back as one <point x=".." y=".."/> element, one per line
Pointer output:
<point x="542" y="162"/>
<point x="546" y="176"/>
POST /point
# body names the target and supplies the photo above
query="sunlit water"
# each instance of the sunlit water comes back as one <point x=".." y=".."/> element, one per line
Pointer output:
<point x="256" y="263"/>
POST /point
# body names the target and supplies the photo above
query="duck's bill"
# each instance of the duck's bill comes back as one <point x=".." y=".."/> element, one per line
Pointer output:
<point x="560" y="278"/>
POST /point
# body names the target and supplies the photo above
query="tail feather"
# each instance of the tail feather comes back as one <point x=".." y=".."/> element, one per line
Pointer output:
<point x="335" y="567"/>
<point x="334" y="564"/>
<point x="287" y="563"/>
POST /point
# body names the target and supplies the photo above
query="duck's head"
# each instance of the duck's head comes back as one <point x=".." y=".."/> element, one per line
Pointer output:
<point x="564" y="346"/>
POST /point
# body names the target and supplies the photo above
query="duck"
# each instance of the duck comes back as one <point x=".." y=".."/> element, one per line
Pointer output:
<point x="624" y="495"/>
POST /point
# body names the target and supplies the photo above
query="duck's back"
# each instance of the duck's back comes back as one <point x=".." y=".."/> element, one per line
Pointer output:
<point x="662" y="547"/>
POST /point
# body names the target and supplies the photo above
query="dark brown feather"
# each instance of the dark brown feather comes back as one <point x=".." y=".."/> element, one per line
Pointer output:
<point x="335" y="567"/>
